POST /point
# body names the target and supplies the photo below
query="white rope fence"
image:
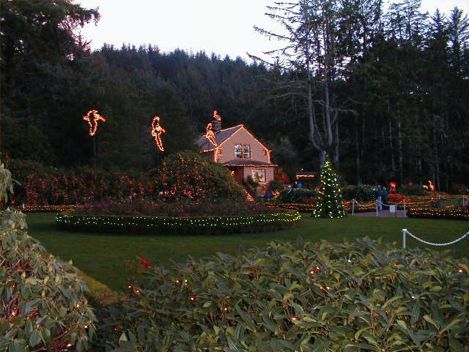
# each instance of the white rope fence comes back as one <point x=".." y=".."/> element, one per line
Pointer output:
<point x="380" y="204"/>
<point x="405" y="233"/>
<point x="354" y="201"/>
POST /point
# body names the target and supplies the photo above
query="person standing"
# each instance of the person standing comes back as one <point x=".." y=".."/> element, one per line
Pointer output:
<point x="384" y="195"/>
<point x="379" y="198"/>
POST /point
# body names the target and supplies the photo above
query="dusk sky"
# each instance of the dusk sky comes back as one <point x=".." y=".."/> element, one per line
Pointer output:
<point x="224" y="27"/>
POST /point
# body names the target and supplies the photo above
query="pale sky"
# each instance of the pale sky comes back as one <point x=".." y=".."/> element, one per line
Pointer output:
<point x="224" y="27"/>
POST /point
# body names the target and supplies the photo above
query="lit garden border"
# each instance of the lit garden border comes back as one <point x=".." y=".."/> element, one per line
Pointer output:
<point x="457" y="213"/>
<point x="179" y="225"/>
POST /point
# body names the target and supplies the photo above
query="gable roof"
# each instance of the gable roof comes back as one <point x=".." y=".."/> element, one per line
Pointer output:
<point x="220" y="136"/>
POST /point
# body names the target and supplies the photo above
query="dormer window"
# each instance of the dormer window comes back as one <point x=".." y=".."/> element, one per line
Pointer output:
<point x="242" y="151"/>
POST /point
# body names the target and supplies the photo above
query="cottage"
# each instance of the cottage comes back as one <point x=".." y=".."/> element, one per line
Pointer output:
<point x="237" y="149"/>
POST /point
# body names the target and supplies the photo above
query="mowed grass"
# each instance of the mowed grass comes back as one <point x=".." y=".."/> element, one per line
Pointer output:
<point x="105" y="256"/>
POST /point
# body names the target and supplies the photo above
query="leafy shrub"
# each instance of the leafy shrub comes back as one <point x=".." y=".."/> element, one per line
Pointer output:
<point x="188" y="175"/>
<point x="299" y="195"/>
<point x="459" y="188"/>
<point x="415" y="190"/>
<point x="43" y="302"/>
<point x="41" y="186"/>
<point x="276" y="186"/>
<point x="362" y="193"/>
<point x="180" y="225"/>
<point x="353" y="296"/>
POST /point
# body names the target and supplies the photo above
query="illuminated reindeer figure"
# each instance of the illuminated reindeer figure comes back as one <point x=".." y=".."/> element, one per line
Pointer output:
<point x="156" y="132"/>
<point x="92" y="117"/>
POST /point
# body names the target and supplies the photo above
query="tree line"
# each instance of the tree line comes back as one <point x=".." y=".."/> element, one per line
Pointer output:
<point x="383" y="92"/>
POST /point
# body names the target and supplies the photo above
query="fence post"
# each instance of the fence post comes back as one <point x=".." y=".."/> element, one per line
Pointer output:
<point x="404" y="244"/>
<point x="353" y="206"/>
<point x="377" y="208"/>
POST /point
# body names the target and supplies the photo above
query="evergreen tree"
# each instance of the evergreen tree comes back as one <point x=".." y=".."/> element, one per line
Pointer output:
<point x="330" y="203"/>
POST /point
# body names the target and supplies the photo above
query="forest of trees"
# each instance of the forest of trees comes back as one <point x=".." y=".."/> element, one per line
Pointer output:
<point x="397" y="84"/>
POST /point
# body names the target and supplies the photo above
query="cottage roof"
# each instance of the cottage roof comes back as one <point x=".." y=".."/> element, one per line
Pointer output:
<point x="220" y="136"/>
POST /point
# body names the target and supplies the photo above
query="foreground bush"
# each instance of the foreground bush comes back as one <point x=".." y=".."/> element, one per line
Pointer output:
<point x="354" y="296"/>
<point x="43" y="302"/>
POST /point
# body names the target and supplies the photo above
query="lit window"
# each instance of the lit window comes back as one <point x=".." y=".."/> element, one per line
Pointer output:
<point x="246" y="151"/>
<point x="258" y="175"/>
<point x="238" y="151"/>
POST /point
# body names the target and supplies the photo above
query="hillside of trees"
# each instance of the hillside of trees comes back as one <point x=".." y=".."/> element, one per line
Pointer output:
<point x="402" y="95"/>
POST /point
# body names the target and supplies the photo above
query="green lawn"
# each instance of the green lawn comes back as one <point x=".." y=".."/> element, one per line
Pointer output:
<point x="104" y="256"/>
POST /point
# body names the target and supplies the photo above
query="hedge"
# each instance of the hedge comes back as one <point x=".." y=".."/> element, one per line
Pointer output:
<point x="180" y="225"/>
<point x="439" y="213"/>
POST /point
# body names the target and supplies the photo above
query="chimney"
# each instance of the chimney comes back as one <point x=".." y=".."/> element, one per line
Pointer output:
<point x="216" y="123"/>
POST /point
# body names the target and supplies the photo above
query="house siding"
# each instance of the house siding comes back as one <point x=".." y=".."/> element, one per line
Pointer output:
<point x="242" y="136"/>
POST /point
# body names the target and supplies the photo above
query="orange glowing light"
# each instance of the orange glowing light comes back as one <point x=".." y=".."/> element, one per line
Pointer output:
<point x="393" y="187"/>
<point x="216" y="116"/>
<point x="210" y="135"/>
<point x="430" y="186"/>
<point x="92" y="118"/>
<point x="156" y="132"/>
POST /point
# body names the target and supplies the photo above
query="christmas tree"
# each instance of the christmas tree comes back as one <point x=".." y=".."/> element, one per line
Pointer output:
<point x="330" y="203"/>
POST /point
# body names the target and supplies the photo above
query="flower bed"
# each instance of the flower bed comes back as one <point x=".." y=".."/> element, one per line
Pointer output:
<point x="440" y="213"/>
<point x="180" y="225"/>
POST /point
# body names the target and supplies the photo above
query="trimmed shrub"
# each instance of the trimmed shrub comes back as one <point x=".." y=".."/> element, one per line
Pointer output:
<point x="43" y="301"/>
<point x="352" y="296"/>
<point x="179" y="225"/>
<point x="176" y="209"/>
<point x="450" y="212"/>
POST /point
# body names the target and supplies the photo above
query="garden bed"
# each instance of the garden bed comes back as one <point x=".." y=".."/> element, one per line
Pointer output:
<point x="180" y="225"/>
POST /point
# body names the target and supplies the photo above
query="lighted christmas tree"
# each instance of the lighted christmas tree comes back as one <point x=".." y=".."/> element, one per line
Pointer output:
<point x="330" y="203"/>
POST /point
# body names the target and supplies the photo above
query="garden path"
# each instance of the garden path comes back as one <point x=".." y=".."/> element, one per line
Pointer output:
<point x="384" y="214"/>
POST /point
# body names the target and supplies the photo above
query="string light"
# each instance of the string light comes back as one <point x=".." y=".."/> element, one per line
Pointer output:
<point x="145" y="223"/>
<point x="445" y="213"/>
<point x="210" y="135"/>
<point x="156" y="132"/>
<point x="216" y="116"/>
<point x="92" y="118"/>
